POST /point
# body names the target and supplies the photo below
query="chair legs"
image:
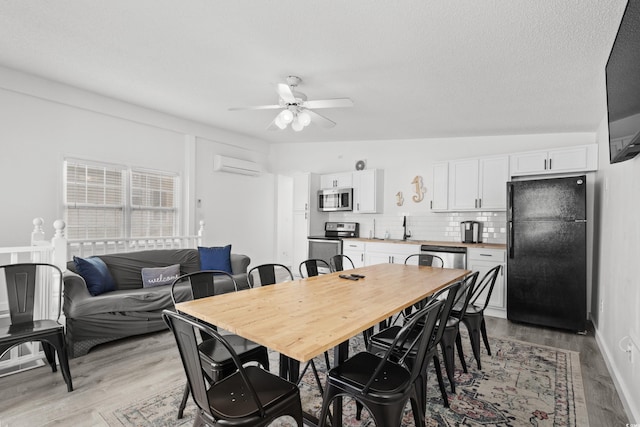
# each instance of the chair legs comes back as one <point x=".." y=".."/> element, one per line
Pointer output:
<point x="451" y="338"/>
<point x="476" y="326"/>
<point x="58" y="344"/>
<point x="183" y="403"/>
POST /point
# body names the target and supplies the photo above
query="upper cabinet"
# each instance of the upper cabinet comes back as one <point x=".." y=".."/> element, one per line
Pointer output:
<point x="581" y="158"/>
<point x="367" y="191"/>
<point x="476" y="184"/>
<point x="337" y="180"/>
<point x="440" y="193"/>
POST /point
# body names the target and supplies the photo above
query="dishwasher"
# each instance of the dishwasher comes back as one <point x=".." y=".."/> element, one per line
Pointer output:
<point x="452" y="256"/>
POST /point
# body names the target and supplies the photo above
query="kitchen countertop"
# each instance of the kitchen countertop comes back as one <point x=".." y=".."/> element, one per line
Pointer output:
<point x="431" y="242"/>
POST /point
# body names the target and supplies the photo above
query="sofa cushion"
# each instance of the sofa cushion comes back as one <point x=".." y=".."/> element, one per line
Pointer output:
<point x="216" y="258"/>
<point x="160" y="276"/>
<point x="96" y="275"/>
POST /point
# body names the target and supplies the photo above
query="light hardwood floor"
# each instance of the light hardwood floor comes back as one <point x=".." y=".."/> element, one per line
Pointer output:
<point x="113" y="374"/>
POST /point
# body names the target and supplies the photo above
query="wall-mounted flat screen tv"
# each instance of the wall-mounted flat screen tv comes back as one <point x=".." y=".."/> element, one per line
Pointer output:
<point x="623" y="87"/>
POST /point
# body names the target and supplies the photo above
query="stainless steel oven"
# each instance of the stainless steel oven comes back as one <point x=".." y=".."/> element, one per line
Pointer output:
<point x="325" y="247"/>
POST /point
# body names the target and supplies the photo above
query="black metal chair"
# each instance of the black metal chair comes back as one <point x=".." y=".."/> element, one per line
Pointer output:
<point x="249" y="396"/>
<point x="425" y="259"/>
<point x="337" y="263"/>
<point x="311" y="267"/>
<point x="451" y="334"/>
<point x="381" y="341"/>
<point x="384" y="384"/>
<point x="268" y="274"/>
<point x="473" y="317"/>
<point x="215" y="358"/>
<point x="23" y="282"/>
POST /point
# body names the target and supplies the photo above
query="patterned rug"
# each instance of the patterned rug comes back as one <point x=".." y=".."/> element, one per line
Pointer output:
<point x="522" y="384"/>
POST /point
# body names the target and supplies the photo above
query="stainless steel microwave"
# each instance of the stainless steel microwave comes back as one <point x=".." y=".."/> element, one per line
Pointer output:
<point x="335" y="199"/>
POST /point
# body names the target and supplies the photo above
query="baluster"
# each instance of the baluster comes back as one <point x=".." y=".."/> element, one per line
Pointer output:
<point x="201" y="235"/>
<point x="59" y="245"/>
<point x="37" y="235"/>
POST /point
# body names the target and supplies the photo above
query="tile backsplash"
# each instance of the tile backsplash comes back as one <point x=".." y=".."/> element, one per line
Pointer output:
<point x="443" y="226"/>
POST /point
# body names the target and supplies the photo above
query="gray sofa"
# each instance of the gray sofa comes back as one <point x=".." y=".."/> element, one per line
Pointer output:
<point x="130" y="309"/>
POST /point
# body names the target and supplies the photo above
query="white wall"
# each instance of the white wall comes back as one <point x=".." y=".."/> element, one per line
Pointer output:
<point x="43" y="122"/>
<point x="237" y="209"/>
<point x="616" y="299"/>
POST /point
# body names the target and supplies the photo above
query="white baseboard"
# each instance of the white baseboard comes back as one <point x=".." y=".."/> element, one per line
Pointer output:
<point x="631" y="408"/>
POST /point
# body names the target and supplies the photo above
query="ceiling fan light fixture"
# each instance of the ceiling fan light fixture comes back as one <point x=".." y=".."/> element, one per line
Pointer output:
<point x="296" y="125"/>
<point x="286" y="116"/>
<point x="278" y="122"/>
<point x="304" y="118"/>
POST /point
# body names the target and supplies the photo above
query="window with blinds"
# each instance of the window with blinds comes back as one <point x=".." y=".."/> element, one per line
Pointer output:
<point x="153" y="204"/>
<point x="104" y="201"/>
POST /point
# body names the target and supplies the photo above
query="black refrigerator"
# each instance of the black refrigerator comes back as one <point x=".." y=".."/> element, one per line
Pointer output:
<point x="547" y="252"/>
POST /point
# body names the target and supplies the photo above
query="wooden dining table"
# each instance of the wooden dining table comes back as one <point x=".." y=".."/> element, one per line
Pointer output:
<point x="303" y="318"/>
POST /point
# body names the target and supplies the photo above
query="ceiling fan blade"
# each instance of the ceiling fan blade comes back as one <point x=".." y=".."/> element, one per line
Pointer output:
<point x="320" y="120"/>
<point x="256" y="107"/>
<point x="329" y="103"/>
<point x="286" y="94"/>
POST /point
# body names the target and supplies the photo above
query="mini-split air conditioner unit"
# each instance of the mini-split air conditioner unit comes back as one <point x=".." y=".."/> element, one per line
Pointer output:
<point x="233" y="165"/>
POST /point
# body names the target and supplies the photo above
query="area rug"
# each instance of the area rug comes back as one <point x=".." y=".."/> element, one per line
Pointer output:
<point x="522" y="384"/>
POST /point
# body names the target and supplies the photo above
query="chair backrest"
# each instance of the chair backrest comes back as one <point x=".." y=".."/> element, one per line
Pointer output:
<point x="419" y="329"/>
<point x="452" y="292"/>
<point x="202" y="283"/>
<point x="24" y="282"/>
<point x="312" y="267"/>
<point x="465" y="292"/>
<point x="184" y="332"/>
<point x="425" y="259"/>
<point x="268" y="274"/>
<point x="487" y="283"/>
<point x="338" y="262"/>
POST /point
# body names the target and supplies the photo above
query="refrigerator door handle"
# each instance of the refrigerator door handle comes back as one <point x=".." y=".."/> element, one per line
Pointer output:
<point x="510" y="202"/>
<point x="511" y="239"/>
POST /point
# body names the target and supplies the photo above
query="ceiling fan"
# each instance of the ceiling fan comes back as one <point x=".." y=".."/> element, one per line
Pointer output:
<point x="296" y="109"/>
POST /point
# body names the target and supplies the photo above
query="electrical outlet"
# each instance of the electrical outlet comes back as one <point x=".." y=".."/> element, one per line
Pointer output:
<point x="601" y="306"/>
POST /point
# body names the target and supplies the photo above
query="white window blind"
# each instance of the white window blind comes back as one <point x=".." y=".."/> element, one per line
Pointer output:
<point x="153" y="204"/>
<point x="112" y="201"/>
<point x="94" y="201"/>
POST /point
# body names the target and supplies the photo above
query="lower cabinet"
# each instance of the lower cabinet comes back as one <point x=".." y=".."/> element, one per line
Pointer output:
<point x="483" y="260"/>
<point x="355" y="251"/>
<point x="389" y="253"/>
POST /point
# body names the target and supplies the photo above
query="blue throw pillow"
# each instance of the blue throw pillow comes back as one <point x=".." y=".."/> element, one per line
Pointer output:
<point x="96" y="274"/>
<point x="216" y="258"/>
<point x="159" y="276"/>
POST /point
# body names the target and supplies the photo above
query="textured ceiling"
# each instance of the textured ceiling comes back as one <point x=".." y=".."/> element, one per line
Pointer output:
<point x="414" y="68"/>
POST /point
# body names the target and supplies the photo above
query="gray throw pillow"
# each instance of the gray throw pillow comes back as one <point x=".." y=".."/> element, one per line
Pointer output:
<point x="159" y="276"/>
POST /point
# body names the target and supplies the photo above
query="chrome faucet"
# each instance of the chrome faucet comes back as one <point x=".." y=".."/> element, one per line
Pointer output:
<point x="405" y="233"/>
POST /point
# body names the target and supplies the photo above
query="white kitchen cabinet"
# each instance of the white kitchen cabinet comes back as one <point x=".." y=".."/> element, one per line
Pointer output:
<point x="306" y="219"/>
<point x="440" y="191"/>
<point x="355" y="251"/>
<point x="581" y="158"/>
<point x="337" y="180"/>
<point x="367" y="191"/>
<point x="389" y="253"/>
<point x="476" y="184"/>
<point x="483" y="260"/>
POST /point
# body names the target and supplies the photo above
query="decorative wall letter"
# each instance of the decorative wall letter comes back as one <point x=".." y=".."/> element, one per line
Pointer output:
<point x="420" y="190"/>
<point x="399" y="198"/>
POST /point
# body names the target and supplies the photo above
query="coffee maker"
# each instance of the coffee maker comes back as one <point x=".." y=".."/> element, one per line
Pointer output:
<point x="471" y="231"/>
